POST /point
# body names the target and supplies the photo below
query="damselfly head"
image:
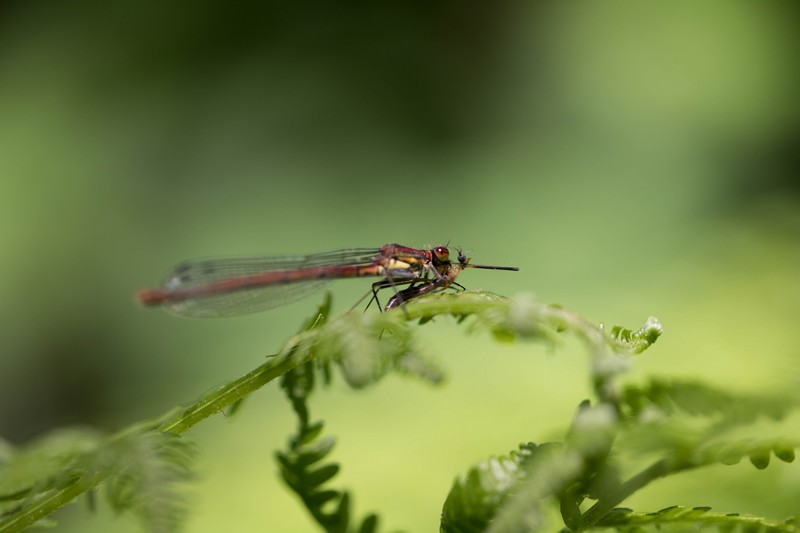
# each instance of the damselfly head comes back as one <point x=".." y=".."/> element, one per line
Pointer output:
<point x="441" y="254"/>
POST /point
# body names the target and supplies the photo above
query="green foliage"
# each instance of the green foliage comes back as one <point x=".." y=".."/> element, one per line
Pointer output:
<point x="474" y="499"/>
<point x="626" y="520"/>
<point x="155" y="466"/>
<point x="677" y="425"/>
<point x="144" y="471"/>
<point x="300" y="465"/>
<point x="690" y="424"/>
<point x="670" y="426"/>
<point x="301" y="468"/>
<point x="52" y="461"/>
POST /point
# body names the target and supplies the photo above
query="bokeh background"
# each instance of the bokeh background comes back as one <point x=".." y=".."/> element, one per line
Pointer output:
<point x="631" y="159"/>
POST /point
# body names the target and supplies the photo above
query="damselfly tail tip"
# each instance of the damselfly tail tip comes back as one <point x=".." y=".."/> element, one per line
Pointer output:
<point x="151" y="297"/>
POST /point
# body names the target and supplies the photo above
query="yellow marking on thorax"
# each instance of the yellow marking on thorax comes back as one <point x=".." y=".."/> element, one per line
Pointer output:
<point x="395" y="264"/>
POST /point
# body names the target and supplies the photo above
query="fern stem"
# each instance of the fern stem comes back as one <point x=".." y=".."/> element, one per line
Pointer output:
<point x="56" y="500"/>
<point x="172" y="422"/>
<point x="605" y="504"/>
<point x="217" y="400"/>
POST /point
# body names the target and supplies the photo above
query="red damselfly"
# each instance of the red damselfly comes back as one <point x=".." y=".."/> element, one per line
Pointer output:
<point x="236" y="286"/>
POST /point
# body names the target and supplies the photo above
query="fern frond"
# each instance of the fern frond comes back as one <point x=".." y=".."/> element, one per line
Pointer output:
<point x="700" y="399"/>
<point x="300" y="464"/>
<point x="143" y="470"/>
<point x="154" y="466"/>
<point x="30" y="475"/>
<point x="641" y="339"/>
<point x="475" y="497"/>
<point x="365" y="347"/>
<point x="626" y="520"/>
<point x="692" y="424"/>
<point x="686" y="447"/>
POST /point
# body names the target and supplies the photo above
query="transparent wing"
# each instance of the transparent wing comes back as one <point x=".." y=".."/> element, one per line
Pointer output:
<point x="244" y="302"/>
<point x="193" y="276"/>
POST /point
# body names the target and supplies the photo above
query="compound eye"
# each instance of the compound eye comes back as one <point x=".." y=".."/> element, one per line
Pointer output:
<point x="442" y="253"/>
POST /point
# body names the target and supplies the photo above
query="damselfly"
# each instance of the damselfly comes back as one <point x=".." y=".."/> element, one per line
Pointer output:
<point x="236" y="286"/>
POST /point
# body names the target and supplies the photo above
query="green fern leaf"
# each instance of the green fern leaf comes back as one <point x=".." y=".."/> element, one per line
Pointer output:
<point x="52" y="462"/>
<point x="475" y="497"/>
<point x="321" y="498"/>
<point x="369" y="525"/>
<point x="154" y="467"/>
<point x="314" y="478"/>
<point x="314" y="452"/>
<point x="697" y="517"/>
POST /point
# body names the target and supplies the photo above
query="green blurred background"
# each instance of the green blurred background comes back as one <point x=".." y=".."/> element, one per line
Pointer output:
<point x="631" y="159"/>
